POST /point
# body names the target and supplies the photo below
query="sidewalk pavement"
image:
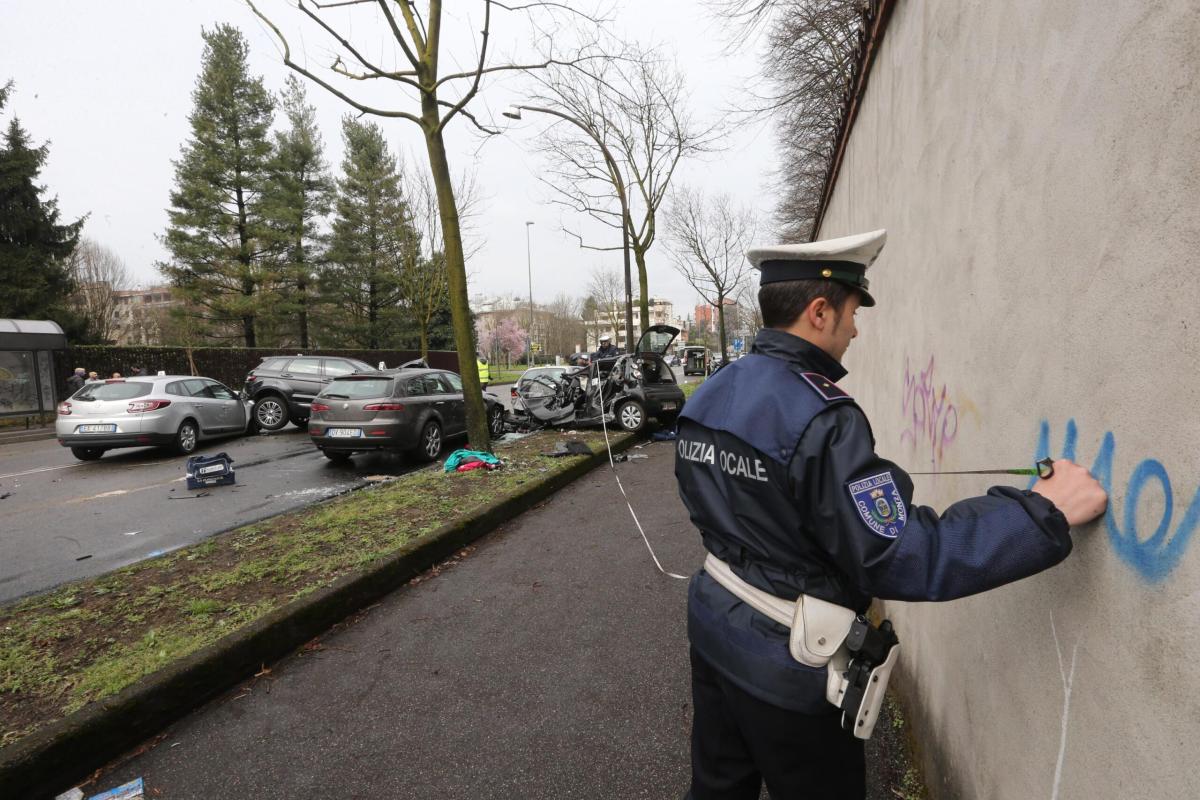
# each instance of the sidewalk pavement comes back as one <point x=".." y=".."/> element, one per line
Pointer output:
<point x="549" y="662"/>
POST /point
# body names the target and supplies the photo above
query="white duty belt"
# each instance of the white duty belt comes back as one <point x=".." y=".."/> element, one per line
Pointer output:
<point x="818" y="632"/>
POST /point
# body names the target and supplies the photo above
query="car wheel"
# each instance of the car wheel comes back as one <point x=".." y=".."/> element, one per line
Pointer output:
<point x="430" y="446"/>
<point x="496" y="421"/>
<point x="270" y="413"/>
<point x="631" y="416"/>
<point x="185" y="438"/>
<point x="337" y="456"/>
<point x="87" y="453"/>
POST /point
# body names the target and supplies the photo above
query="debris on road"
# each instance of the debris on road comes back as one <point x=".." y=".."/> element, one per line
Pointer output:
<point x="468" y="458"/>
<point x="84" y="558"/>
<point x="204" y="471"/>
<point x="571" y="447"/>
<point x="134" y="790"/>
<point x="187" y="496"/>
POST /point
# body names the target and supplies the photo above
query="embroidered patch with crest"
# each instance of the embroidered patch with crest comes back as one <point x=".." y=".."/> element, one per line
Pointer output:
<point x="825" y="387"/>
<point x="879" y="504"/>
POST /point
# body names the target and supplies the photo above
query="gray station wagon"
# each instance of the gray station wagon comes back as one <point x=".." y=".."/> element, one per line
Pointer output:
<point x="409" y="410"/>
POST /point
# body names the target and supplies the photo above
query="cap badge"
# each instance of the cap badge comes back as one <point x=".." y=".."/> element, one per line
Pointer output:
<point x="826" y="273"/>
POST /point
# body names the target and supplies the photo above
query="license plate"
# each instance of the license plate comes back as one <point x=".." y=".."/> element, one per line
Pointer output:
<point x="97" y="429"/>
<point x="343" y="433"/>
<point x="668" y="406"/>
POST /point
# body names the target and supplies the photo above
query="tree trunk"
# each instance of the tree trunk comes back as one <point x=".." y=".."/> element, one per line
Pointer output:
<point x="643" y="288"/>
<point x="302" y="294"/>
<point x="721" y="323"/>
<point x="456" y="274"/>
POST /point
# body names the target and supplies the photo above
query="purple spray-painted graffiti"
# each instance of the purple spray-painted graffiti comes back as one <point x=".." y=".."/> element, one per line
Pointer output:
<point x="929" y="416"/>
<point x="1153" y="555"/>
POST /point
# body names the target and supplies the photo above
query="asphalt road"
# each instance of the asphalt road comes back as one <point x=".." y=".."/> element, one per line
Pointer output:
<point x="64" y="519"/>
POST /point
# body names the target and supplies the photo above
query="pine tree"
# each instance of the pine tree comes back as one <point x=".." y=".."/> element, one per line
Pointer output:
<point x="372" y="243"/>
<point x="218" y="239"/>
<point x="300" y="194"/>
<point x="34" y="245"/>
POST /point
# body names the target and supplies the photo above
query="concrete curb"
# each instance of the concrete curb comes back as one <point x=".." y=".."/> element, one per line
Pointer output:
<point x="31" y="435"/>
<point x="55" y="758"/>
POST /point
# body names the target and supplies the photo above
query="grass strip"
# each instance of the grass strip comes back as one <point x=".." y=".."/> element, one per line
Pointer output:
<point x="89" y="640"/>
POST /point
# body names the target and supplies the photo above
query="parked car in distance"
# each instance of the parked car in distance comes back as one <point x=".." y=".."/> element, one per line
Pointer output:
<point x="534" y="383"/>
<point x="695" y="360"/>
<point x="174" y="411"/>
<point x="282" y="387"/>
<point x="408" y="410"/>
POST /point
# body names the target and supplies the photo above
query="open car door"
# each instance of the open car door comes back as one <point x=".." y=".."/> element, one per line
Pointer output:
<point x="657" y="339"/>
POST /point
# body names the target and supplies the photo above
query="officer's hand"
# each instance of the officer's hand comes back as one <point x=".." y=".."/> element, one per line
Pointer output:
<point x="1074" y="491"/>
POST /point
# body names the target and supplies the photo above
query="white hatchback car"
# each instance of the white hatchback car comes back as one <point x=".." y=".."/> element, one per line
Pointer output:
<point x="174" y="411"/>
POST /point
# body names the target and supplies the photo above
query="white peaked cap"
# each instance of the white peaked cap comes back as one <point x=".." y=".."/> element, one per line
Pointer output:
<point x="844" y="259"/>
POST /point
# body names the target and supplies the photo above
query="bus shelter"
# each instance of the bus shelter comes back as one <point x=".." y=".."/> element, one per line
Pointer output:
<point x="27" y="366"/>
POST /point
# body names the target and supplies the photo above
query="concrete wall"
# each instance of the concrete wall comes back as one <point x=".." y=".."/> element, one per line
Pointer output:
<point x="1037" y="166"/>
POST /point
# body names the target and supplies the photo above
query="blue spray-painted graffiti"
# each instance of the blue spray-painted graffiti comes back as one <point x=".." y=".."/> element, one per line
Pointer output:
<point x="1155" y="556"/>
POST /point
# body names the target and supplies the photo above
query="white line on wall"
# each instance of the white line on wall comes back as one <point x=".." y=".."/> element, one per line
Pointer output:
<point x="1068" y="680"/>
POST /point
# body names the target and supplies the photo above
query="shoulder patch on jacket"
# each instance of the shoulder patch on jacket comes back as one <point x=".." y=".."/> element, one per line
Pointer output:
<point x="828" y="390"/>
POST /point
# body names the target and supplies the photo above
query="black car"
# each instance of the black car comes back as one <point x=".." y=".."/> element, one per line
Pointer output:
<point x="409" y="410"/>
<point x="282" y="387"/>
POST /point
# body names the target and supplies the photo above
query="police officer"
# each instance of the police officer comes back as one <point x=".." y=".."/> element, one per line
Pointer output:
<point x="777" y="467"/>
<point x="607" y="348"/>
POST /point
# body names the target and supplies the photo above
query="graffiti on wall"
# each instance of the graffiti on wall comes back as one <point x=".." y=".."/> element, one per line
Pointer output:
<point x="1152" y="554"/>
<point x="931" y="417"/>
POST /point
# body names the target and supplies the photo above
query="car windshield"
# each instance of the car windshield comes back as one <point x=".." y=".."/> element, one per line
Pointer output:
<point x="113" y="391"/>
<point x="357" y="388"/>
<point x="540" y="382"/>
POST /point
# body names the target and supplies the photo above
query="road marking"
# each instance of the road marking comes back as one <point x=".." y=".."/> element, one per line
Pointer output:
<point x="113" y="493"/>
<point x="39" y="469"/>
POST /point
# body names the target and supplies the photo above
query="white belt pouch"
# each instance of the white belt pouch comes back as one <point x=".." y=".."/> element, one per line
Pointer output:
<point x="818" y="629"/>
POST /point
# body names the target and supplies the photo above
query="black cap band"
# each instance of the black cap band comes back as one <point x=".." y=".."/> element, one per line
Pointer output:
<point x="850" y="272"/>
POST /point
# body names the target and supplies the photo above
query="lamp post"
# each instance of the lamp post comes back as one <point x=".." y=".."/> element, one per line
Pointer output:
<point x="529" y="269"/>
<point x="514" y="112"/>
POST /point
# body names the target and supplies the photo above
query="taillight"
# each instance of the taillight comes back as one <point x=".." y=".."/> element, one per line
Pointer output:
<point x="384" y="407"/>
<point x="513" y="393"/>
<point x="140" y="406"/>
<point x="64" y="409"/>
<point x="318" y="407"/>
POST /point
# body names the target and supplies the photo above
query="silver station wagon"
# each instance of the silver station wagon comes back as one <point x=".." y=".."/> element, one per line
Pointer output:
<point x="173" y="411"/>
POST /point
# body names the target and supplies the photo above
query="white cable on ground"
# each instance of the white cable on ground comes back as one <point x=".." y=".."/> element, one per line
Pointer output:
<point x="613" y="466"/>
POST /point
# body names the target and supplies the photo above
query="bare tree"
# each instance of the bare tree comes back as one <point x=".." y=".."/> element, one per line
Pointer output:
<point x="99" y="274"/>
<point x="633" y="108"/>
<point x="608" y="289"/>
<point x="808" y="63"/>
<point x="431" y="96"/>
<point x="707" y="241"/>
<point x="424" y="281"/>
<point x="563" y="324"/>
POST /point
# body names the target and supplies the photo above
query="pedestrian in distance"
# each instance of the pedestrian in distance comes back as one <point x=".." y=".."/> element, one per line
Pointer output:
<point x="93" y="376"/>
<point x="116" y="376"/>
<point x="136" y="372"/>
<point x="804" y="524"/>
<point x="76" y="380"/>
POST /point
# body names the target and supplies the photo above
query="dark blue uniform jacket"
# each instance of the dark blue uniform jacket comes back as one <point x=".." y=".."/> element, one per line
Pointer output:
<point x="777" y="468"/>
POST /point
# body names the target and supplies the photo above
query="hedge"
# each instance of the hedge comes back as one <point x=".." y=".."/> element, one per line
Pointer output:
<point x="228" y="365"/>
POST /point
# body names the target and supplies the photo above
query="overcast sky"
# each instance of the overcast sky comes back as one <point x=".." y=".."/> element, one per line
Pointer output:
<point x="109" y="85"/>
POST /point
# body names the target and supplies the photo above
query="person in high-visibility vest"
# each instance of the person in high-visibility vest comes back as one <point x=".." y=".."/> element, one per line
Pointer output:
<point x="485" y="373"/>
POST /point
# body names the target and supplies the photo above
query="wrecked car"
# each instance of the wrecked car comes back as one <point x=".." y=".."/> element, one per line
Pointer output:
<point x="624" y="391"/>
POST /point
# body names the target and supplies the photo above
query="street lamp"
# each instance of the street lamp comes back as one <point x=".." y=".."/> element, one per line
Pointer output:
<point x="514" y="112"/>
<point x="529" y="268"/>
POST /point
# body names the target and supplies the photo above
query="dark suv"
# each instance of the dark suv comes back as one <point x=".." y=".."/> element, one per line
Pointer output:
<point x="283" y="387"/>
